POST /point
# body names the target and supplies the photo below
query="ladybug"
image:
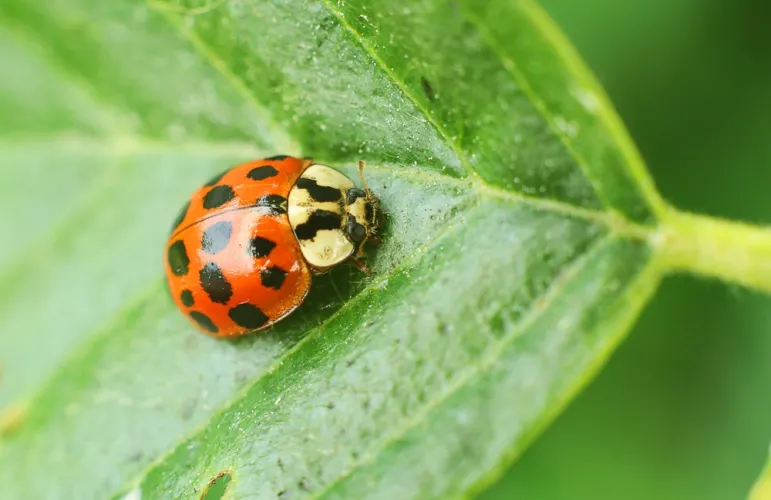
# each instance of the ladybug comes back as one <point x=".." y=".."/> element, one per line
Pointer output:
<point x="243" y="249"/>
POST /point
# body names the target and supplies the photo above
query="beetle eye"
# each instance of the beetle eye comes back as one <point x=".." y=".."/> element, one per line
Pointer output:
<point x="353" y="194"/>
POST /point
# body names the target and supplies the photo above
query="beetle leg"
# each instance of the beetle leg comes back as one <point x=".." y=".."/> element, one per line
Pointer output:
<point x="361" y="266"/>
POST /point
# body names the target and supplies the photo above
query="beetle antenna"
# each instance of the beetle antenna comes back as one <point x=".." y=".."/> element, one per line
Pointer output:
<point x="361" y="176"/>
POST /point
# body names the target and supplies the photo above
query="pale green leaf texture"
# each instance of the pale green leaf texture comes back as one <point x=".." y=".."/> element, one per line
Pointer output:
<point x="515" y="257"/>
<point x="762" y="488"/>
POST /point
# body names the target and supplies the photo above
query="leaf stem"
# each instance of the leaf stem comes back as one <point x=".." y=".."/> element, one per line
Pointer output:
<point x="732" y="251"/>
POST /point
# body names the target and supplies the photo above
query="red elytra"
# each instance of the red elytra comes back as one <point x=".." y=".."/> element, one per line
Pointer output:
<point x="233" y="262"/>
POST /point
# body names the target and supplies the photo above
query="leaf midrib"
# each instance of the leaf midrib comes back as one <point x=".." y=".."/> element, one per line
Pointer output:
<point x="125" y="147"/>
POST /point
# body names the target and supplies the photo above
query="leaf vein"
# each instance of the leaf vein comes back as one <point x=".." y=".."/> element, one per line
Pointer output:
<point x="645" y="284"/>
<point x="132" y="145"/>
<point x="633" y="164"/>
<point x="39" y="46"/>
<point x="511" y="67"/>
<point x="283" y="140"/>
<point x="401" y="85"/>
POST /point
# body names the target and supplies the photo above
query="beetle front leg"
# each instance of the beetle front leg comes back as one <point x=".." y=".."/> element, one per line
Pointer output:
<point x="361" y="266"/>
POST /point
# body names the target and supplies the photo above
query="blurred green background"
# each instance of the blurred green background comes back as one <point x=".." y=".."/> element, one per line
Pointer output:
<point x="683" y="410"/>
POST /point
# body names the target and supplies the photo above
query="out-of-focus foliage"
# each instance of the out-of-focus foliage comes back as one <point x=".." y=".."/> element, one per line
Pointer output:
<point x="682" y="409"/>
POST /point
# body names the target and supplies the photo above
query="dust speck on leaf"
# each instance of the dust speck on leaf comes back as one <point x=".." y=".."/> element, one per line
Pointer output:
<point x="428" y="89"/>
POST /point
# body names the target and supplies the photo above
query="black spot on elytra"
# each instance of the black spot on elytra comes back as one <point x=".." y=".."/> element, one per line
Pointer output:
<point x="276" y="204"/>
<point x="248" y="316"/>
<point x="187" y="298"/>
<point x="203" y="320"/>
<point x="180" y="216"/>
<point x="218" y="196"/>
<point x="319" y="220"/>
<point x="215" y="284"/>
<point x="277" y="158"/>
<point x="178" y="259"/>
<point x="259" y="247"/>
<point x="214" y="180"/>
<point x="273" y="277"/>
<point x="317" y="192"/>
<point x="263" y="172"/>
<point x="216" y="237"/>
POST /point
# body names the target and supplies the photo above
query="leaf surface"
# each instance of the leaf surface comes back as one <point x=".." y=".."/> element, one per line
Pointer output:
<point x="762" y="488"/>
<point x="515" y="258"/>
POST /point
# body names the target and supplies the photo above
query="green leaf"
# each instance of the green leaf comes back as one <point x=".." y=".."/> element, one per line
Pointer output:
<point x="523" y="239"/>
<point x="762" y="488"/>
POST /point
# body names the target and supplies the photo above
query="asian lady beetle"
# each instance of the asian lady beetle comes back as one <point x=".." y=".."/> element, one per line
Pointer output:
<point x="243" y="249"/>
